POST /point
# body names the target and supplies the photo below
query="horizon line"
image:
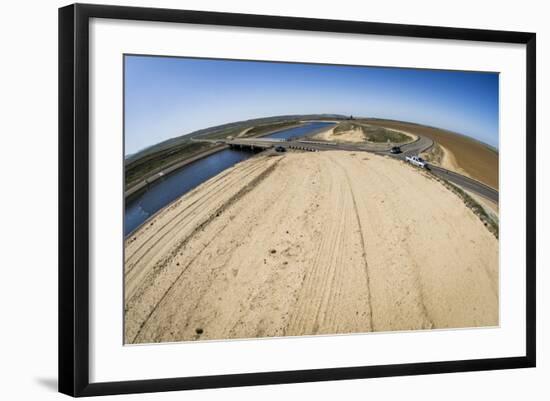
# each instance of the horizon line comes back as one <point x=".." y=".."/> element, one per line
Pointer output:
<point x="496" y="149"/>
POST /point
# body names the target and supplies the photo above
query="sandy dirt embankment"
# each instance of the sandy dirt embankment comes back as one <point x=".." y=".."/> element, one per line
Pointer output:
<point x="310" y="243"/>
<point x="357" y="136"/>
<point x="350" y="136"/>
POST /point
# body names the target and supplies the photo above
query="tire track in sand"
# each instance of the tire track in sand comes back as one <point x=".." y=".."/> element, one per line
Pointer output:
<point x="189" y="218"/>
<point x="181" y="309"/>
<point x="182" y="242"/>
<point x="244" y="273"/>
<point x="333" y="297"/>
<point x="208" y="192"/>
<point x="350" y="209"/>
<point x="363" y="246"/>
<point x="396" y="287"/>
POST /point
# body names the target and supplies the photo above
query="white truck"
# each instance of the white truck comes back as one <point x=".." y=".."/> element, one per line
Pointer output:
<point x="417" y="161"/>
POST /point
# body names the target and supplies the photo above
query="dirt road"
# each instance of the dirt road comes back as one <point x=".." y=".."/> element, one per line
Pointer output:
<point x="310" y="243"/>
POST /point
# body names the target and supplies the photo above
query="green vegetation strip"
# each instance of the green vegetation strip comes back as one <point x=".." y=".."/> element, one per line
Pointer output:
<point x="144" y="167"/>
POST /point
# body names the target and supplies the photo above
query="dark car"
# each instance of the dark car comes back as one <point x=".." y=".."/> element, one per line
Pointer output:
<point x="395" y="150"/>
<point x="280" y="149"/>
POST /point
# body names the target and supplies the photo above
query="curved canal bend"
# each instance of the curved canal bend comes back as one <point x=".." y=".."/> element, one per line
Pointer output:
<point x="166" y="190"/>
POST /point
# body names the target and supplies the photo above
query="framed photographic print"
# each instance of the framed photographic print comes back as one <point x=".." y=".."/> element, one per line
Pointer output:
<point x="249" y="199"/>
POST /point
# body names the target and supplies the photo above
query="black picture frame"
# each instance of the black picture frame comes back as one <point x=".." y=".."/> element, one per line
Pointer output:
<point x="74" y="200"/>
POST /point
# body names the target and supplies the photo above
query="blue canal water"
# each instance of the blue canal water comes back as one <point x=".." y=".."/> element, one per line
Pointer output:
<point x="297" y="132"/>
<point x="168" y="189"/>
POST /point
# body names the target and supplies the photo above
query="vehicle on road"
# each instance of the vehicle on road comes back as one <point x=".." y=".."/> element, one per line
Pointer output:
<point x="417" y="161"/>
<point x="395" y="150"/>
<point x="280" y="149"/>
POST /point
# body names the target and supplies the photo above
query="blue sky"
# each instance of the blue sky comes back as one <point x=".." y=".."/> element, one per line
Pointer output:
<point x="167" y="96"/>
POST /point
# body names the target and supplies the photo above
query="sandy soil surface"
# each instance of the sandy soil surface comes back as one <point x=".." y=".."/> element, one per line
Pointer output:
<point x="351" y="136"/>
<point x="310" y="243"/>
<point x="448" y="161"/>
<point x="244" y="132"/>
<point x="355" y="136"/>
<point x="473" y="158"/>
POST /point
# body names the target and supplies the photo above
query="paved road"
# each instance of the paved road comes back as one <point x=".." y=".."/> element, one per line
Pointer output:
<point x="413" y="148"/>
<point x="466" y="183"/>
